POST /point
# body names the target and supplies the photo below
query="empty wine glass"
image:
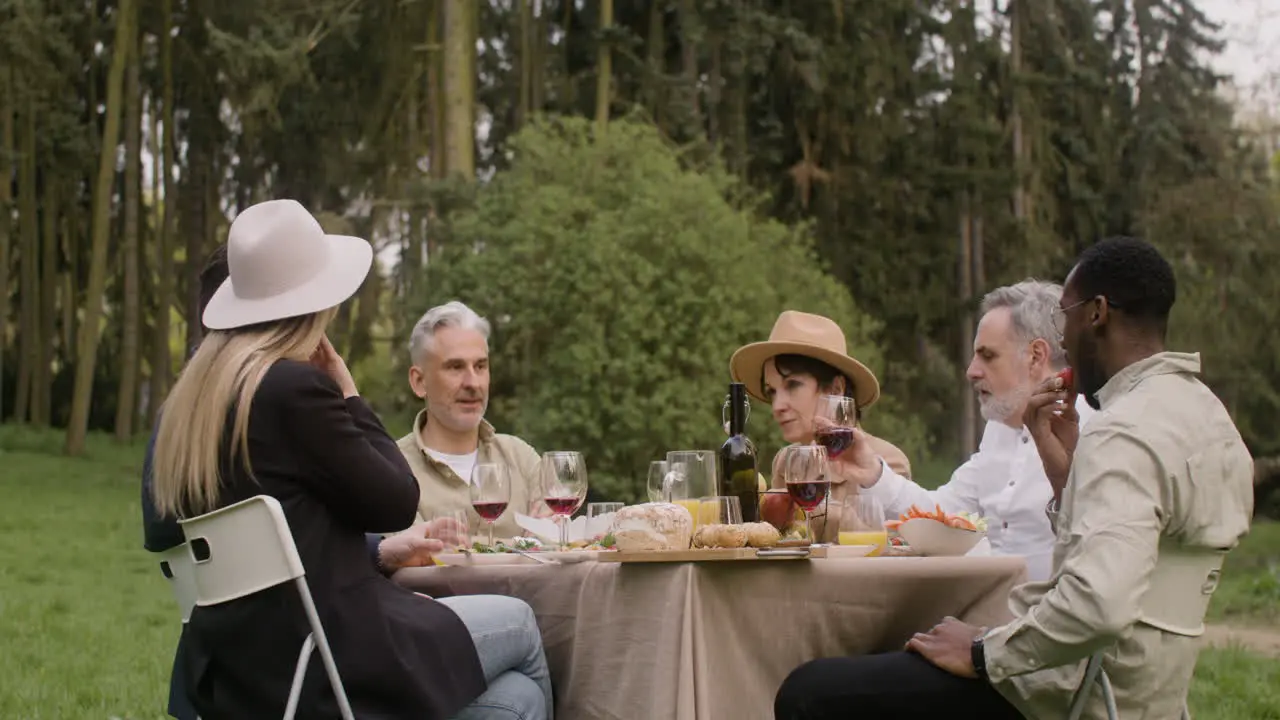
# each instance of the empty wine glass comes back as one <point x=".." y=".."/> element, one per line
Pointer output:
<point x="658" y="470"/>
<point x="834" y="419"/>
<point x="807" y="481"/>
<point x="564" y="486"/>
<point x="490" y="492"/>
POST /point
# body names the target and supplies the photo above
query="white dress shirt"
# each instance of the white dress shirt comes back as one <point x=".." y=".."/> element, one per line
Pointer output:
<point x="1003" y="482"/>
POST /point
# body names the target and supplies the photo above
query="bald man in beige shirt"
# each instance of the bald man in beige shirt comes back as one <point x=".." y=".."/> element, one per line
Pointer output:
<point x="1158" y="488"/>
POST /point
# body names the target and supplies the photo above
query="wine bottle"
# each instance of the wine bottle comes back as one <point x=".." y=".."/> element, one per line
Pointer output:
<point x="738" y="474"/>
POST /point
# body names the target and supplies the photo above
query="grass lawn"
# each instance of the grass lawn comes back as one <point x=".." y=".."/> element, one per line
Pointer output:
<point x="87" y="624"/>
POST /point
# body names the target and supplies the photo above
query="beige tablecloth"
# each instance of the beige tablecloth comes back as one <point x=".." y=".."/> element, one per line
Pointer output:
<point x="714" y="640"/>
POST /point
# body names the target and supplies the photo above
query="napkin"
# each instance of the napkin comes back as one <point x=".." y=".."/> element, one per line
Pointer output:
<point x="546" y="529"/>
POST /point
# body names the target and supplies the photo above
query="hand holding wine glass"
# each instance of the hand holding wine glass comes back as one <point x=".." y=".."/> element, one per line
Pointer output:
<point x="490" y="492"/>
<point x="835" y="427"/>
<point x="564" y="486"/>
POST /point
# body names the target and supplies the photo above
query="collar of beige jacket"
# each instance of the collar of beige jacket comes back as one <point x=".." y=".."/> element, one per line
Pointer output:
<point x="485" y="432"/>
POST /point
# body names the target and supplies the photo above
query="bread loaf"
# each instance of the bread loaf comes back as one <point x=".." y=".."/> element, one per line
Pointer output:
<point x="652" y="527"/>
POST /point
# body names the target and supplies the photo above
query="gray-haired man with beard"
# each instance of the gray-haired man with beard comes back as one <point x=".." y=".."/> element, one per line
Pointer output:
<point x="449" y="348"/>
<point x="1015" y="349"/>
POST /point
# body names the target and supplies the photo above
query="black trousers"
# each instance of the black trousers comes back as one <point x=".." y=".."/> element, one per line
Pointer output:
<point x="900" y="686"/>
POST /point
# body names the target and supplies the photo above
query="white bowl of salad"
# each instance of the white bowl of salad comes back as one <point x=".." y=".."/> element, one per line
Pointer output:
<point x="939" y="533"/>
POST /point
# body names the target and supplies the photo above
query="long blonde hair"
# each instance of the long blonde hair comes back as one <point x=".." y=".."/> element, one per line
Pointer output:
<point x="224" y="373"/>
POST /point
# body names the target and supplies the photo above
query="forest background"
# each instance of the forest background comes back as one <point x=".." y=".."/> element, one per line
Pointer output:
<point x="628" y="190"/>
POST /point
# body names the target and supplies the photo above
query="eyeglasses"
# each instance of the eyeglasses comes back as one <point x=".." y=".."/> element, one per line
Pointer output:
<point x="1060" y="313"/>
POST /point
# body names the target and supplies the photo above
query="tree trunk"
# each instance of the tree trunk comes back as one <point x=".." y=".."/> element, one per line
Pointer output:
<point x="90" y="332"/>
<point x="435" y="93"/>
<point x="604" y="67"/>
<point x="656" y="70"/>
<point x="162" y="360"/>
<point x="978" y="268"/>
<point x="1017" y="19"/>
<point x="201" y="142"/>
<point x="538" y="69"/>
<point x="42" y="379"/>
<point x="690" y="29"/>
<point x="126" y="403"/>
<point x="71" y="280"/>
<point x="6" y="214"/>
<point x="29" y="274"/>
<point x="964" y="296"/>
<point x="525" y="62"/>
<point x="460" y="87"/>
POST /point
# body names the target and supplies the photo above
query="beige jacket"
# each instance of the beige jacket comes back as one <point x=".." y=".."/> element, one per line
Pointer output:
<point x="442" y="489"/>
<point x="1160" y="488"/>
<point x="826" y="525"/>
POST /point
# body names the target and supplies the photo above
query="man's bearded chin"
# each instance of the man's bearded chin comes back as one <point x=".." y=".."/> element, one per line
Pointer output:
<point x="1006" y="407"/>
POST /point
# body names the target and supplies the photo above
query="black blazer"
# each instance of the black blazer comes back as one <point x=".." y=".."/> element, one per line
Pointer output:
<point x="338" y="475"/>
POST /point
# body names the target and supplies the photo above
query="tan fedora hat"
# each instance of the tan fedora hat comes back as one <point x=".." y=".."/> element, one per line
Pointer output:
<point x="283" y="265"/>
<point x="798" y="333"/>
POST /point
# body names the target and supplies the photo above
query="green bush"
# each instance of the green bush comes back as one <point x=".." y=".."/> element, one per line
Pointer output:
<point x="619" y="282"/>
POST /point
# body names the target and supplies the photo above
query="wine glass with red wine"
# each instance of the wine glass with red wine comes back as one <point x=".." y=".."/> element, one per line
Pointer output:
<point x="490" y="492"/>
<point x="564" y="486"/>
<point x="833" y="423"/>
<point x="807" y="480"/>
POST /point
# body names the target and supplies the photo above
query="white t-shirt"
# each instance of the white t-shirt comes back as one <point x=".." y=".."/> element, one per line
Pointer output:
<point x="462" y="465"/>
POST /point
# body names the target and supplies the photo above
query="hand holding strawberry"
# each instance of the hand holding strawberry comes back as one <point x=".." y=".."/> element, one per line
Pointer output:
<point x="1052" y="420"/>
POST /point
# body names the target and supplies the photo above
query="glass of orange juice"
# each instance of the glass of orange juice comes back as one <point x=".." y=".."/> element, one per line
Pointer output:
<point x="862" y="523"/>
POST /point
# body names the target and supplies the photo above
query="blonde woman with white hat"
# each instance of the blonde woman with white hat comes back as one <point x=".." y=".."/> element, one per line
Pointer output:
<point x="266" y="406"/>
<point x="804" y="358"/>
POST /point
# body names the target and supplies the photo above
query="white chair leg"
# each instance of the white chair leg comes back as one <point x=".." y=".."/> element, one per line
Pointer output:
<point x="326" y="655"/>
<point x="1108" y="696"/>
<point x="299" y="672"/>
<point x="1091" y="671"/>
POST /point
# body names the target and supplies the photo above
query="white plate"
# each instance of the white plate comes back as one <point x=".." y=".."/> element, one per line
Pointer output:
<point x="477" y="559"/>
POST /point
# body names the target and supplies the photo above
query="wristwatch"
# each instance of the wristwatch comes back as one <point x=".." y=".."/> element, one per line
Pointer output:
<point x="978" y="654"/>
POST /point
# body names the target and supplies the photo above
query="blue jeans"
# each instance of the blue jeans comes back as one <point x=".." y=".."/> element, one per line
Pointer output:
<point x="510" y="648"/>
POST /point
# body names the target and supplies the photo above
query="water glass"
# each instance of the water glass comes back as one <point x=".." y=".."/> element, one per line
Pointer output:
<point x="600" y="518"/>
<point x="449" y="527"/>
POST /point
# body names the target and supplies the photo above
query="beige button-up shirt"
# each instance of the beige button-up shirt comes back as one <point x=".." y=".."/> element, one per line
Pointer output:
<point x="442" y="489"/>
<point x="1161" y="486"/>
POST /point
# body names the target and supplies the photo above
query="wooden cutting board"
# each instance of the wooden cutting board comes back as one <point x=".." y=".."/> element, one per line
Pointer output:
<point x="702" y="555"/>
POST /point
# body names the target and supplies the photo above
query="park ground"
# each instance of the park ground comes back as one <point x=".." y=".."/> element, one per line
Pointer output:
<point x="87" y="624"/>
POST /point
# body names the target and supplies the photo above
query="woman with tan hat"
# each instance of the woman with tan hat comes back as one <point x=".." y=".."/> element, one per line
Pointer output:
<point x="804" y="358"/>
<point x="266" y="406"/>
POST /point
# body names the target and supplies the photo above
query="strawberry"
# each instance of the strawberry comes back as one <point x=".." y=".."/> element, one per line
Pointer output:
<point x="1067" y="380"/>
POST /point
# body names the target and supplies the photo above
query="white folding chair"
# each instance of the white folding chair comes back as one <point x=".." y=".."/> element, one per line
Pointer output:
<point x="176" y="565"/>
<point x="1094" y="674"/>
<point x="246" y="548"/>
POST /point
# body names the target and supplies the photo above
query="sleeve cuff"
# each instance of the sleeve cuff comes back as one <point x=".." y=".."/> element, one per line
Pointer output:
<point x="1011" y="651"/>
<point x="886" y="486"/>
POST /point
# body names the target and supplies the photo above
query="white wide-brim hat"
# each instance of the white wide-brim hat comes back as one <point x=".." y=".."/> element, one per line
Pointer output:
<point x="283" y="265"/>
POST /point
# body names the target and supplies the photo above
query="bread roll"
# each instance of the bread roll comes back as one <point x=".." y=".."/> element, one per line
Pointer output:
<point x="652" y="527"/>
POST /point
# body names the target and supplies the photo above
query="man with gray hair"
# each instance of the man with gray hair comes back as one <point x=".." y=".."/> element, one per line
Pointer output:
<point x="449" y="354"/>
<point x="1015" y="349"/>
